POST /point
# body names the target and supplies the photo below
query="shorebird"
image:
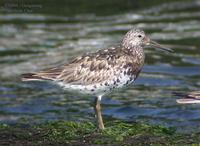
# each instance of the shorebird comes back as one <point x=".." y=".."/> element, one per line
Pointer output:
<point x="190" y="97"/>
<point x="100" y="72"/>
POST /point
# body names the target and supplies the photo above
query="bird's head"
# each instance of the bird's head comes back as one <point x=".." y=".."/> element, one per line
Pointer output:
<point x="136" y="37"/>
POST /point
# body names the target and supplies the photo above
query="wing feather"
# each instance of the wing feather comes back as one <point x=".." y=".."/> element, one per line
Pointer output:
<point x="86" y="72"/>
<point x="89" y="69"/>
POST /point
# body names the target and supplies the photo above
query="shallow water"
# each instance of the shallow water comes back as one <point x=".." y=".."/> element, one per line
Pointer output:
<point x="34" y="41"/>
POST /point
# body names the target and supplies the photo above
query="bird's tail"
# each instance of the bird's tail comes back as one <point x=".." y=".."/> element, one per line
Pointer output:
<point x="31" y="77"/>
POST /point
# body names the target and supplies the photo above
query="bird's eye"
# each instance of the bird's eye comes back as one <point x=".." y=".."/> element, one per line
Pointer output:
<point x="139" y="36"/>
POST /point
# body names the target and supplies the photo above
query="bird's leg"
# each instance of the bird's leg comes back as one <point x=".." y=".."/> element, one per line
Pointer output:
<point x="97" y="108"/>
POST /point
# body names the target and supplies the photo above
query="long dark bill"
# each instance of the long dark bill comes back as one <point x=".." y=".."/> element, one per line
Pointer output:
<point x="158" y="46"/>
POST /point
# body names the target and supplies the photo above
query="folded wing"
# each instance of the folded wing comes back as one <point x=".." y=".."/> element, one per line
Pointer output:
<point x="94" y="68"/>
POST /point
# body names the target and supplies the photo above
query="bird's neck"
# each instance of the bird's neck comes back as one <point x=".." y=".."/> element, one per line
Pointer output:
<point x="136" y="53"/>
<point x="134" y="50"/>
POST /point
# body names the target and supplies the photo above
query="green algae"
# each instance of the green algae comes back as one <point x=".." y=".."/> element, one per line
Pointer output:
<point x="86" y="134"/>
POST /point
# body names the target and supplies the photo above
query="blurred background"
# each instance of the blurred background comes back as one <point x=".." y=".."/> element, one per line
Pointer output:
<point x="37" y="34"/>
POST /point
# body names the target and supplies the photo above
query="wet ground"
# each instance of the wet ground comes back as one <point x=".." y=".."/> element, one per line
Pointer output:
<point x="84" y="134"/>
<point x="48" y="35"/>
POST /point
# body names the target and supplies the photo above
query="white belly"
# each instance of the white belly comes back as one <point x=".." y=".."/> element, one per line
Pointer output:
<point x="99" y="89"/>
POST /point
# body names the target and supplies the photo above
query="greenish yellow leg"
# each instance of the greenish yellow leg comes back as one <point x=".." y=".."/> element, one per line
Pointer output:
<point x="97" y="108"/>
